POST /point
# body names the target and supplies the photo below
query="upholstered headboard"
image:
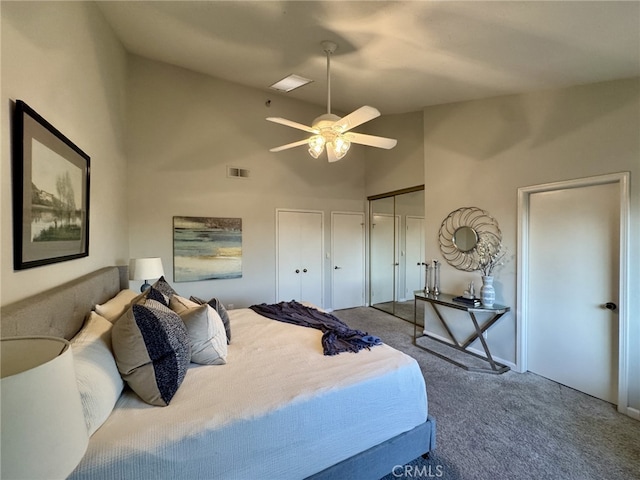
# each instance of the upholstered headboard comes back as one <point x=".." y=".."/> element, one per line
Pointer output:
<point x="61" y="311"/>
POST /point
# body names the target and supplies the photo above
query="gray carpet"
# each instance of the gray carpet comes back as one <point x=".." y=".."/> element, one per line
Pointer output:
<point x="509" y="426"/>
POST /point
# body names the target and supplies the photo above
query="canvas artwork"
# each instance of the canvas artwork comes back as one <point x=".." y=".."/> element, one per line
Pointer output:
<point x="206" y="248"/>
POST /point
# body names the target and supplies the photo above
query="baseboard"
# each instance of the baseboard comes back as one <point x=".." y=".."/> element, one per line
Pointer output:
<point x="509" y="364"/>
<point x="633" y="413"/>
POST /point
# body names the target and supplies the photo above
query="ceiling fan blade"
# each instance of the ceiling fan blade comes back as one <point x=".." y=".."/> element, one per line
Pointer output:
<point x="355" y="118"/>
<point x="371" y="140"/>
<point x="290" y="145"/>
<point x="289" y="123"/>
<point x="331" y="156"/>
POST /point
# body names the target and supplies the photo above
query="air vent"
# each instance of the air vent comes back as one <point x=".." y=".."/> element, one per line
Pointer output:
<point x="237" y="172"/>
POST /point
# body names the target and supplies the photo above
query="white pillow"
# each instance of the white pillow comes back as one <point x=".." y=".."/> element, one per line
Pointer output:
<point x="206" y="335"/>
<point x="114" y="308"/>
<point x="97" y="375"/>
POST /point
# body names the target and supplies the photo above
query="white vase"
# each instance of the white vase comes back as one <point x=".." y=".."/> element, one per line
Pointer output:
<point x="487" y="292"/>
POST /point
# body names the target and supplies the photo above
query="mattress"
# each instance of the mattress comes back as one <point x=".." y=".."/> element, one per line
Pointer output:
<point x="279" y="409"/>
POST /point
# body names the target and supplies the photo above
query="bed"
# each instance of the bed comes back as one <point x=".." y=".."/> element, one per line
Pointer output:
<point x="278" y="408"/>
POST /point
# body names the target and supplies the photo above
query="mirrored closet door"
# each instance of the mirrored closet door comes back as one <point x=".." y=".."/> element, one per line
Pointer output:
<point x="396" y="250"/>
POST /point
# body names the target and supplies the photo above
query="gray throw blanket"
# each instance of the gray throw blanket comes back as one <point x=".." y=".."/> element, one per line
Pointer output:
<point x="337" y="336"/>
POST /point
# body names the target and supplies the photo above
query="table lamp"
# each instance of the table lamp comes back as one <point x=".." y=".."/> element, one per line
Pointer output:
<point x="145" y="269"/>
<point x="44" y="434"/>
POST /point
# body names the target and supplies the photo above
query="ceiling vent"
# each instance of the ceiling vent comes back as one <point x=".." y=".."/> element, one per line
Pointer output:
<point x="237" y="172"/>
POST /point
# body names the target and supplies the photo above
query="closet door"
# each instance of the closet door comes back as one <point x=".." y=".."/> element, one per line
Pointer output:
<point x="415" y="249"/>
<point x="299" y="262"/>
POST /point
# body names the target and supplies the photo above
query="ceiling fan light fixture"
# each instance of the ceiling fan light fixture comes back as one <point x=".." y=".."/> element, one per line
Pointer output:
<point x="316" y="145"/>
<point x="340" y="146"/>
<point x="332" y="131"/>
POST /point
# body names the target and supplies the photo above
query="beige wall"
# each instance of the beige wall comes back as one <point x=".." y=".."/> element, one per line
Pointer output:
<point x="478" y="153"/>
<point x="184" y="130"/>
<point x="403" y="165"/>
<point x="63" y="60"/>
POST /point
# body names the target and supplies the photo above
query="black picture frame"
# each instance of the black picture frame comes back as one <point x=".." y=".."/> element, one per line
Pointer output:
<point x="50" y="177"/>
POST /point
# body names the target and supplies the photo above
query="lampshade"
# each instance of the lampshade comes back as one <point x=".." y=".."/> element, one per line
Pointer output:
<point x="145" y="269"/>
<point x="44" y="434"/>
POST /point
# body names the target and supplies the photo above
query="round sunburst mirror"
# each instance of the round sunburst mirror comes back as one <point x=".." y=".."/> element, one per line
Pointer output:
<point x="460" y="234"/>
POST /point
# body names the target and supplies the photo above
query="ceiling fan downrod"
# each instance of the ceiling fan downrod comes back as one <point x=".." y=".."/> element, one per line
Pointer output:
<point x="329" y="47"/>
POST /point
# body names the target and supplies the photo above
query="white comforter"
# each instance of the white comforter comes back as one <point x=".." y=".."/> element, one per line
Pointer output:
<point x="278" y="409"/>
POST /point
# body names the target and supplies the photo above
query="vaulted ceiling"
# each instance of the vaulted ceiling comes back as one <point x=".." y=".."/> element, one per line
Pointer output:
<point x="396" y="56"/>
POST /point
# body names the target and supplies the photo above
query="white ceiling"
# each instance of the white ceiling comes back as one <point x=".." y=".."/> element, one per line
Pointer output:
<point x="396" y="56"/>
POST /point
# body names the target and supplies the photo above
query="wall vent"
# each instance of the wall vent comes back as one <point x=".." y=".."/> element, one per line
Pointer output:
<point x="237" y="172"/>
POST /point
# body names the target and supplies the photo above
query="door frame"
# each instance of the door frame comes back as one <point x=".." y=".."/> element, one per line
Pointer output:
<point x="361" y="215"/>
<point x="522" y="295"/>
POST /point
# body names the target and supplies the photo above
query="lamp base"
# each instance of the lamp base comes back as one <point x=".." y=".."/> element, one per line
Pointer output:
<point x="145" y="286"/>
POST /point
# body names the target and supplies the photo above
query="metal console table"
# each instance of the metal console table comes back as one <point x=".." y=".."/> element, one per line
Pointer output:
<point x="446" y="300"/>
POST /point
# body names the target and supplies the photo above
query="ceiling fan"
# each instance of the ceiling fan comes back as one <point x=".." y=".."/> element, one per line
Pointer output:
<point x="331" y="132"/>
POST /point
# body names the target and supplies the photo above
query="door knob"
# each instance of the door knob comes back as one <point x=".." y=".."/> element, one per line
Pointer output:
<point x="337" y="267"/>
<point x="611" y="306"/>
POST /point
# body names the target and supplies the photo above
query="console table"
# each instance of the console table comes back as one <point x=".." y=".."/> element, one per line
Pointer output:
<point x="446" y="300"/>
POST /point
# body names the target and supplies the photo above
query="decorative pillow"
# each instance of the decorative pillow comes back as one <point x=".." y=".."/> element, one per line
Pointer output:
<point x="97" y="375"/>
<point x="162" y="285"/>
<point x="113" y="309"/>
<point x="151" y="347"/>
<point x="218" y="307"/>
<point x="206" y="335"/>
<point x="180" y="304"/>
<point x="157" y="295"/>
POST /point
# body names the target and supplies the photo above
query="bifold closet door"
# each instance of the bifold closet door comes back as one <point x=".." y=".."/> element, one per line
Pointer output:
<point x="299" y="251"/>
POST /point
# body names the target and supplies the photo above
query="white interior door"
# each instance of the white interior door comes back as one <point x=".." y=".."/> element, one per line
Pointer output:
<point x="415" y="255"/>
<point x="347" y="239"/>
<point x="573" y="272"/>
<point x="299" y="256"/>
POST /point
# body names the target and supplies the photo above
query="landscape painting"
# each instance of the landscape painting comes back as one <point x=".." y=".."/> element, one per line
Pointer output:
<point x="51" y="193"/>
<point x="206" y="248"/>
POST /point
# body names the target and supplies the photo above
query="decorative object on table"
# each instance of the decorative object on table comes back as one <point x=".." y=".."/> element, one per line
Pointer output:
<point x="471" y="292"/>
<point x="206" y="248"/>
<point x="462" y="231"/>
<point x="470" y="302"/>
<point x="487" y="292"/>
<point x="436" y="277"/>
<point x="145" y="269"/>
<point x="50" y="193"/>
<point x="490" y="256"/>
<point x="44" y="432"/>
<point x="427" y="278"/>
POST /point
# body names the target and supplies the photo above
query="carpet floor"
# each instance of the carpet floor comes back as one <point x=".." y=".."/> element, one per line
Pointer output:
<point x="509" y="426"/>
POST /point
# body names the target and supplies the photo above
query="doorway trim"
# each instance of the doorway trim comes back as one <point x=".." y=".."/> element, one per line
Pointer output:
<point x="522" y="295"/>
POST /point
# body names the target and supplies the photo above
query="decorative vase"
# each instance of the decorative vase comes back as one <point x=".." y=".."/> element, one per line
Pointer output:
<point x="487" y="292"/>
<point x="427" y="278"/>
<point x="436" y="277"/>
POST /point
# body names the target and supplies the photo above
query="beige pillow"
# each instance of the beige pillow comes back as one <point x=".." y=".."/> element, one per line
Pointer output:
<point x="180" y="304"/>
<point x="97" y="375"/>
<point x="206" y="335"/>
<point x="115" y="307"/>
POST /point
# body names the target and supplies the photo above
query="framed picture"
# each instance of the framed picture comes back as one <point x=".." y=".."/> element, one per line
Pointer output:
<point x="50" y="193"/>
<point x="206" y="248"/>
